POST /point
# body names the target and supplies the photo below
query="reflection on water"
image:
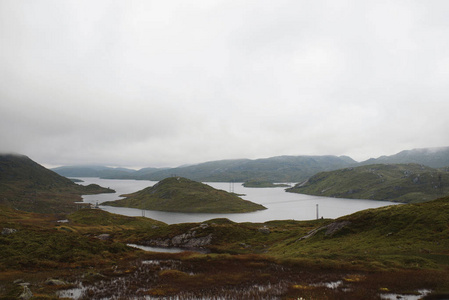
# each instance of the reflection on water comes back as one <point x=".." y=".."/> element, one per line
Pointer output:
<point x="280" y="204"/>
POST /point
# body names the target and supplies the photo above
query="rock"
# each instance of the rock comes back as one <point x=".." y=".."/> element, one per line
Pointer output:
<point x="264" y="230"/>
<point x="8" y="231"/>
<point x="199" y="242"/>
<point x="55" y="282"/>
<point x="26" y="294"/>
<point x="336" y="227"/>
<point x="104" y="236"/>
<point x="204" y="225"/>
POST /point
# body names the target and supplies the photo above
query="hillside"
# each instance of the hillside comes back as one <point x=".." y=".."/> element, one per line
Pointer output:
<point x="274" y="169"/>
<point x="413" y="235"/>
<point x="178" y="194"/>
<point x="432" y="157"/>
<point x="398" y="250"/>
<point x="26" y="185"/>
<point x="398" y="183"/>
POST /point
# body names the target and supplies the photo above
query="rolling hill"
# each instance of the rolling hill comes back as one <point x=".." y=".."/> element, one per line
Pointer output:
<point x="274" y="169"/>
<point x="177" y="194"/>
<point x="431" y="157"/>
<point x="26" y="185"/>
<point x="398" y="183"/>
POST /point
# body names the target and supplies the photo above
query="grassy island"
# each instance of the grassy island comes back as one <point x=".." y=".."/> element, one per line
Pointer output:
<point x="263" y="184"/>
<point x="177" y="194"/>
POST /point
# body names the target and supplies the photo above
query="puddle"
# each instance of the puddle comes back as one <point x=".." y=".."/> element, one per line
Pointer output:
<point x="157" y="249"/>
<point x="167" y="249"/>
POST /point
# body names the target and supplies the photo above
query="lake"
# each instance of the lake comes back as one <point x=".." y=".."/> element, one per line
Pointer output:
<point x="280" y="204"/>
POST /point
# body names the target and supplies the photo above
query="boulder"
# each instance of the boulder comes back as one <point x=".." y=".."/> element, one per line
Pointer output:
<point x="26" y="294"/>
<point x="8" y="231"/>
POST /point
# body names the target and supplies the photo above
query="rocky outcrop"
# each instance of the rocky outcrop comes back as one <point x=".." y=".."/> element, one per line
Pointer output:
<point x="331" y="229"/>
<point x="193" y="238"/>
<point x="26" y="293"/>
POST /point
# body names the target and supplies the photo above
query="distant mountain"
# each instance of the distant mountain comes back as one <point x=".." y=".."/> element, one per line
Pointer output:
<point x="432" y="157"/>
<point x="399" y="183"/>
<point x="26" y="185"/>
<point x="93" y="171"/>
<point x="177" y="194"/>
<point x="274" y="169"/>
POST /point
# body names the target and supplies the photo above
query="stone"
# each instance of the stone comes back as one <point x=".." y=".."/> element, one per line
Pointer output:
<point x="26" y="294"/>
<point x="264" y="230"/>
<point x="8" y="231"/>
<point x="104" y="236"/>
<point x="55" y="282"/>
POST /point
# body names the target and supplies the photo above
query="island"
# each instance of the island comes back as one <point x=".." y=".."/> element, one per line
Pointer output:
<point x="263" y="184"/>
<point x="178" y="194"/>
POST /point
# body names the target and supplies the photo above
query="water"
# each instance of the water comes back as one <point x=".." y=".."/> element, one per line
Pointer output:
<point x="158" y="249"/>
<point x="280" y="204"/>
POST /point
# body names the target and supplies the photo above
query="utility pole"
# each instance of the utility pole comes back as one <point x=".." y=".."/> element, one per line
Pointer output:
<point x="317" y="214"/>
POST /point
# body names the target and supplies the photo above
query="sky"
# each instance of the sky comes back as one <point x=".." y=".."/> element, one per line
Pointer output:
<point x="142" y="83"/>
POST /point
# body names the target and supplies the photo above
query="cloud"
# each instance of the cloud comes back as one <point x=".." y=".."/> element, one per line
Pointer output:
<point x="163" y="83"/>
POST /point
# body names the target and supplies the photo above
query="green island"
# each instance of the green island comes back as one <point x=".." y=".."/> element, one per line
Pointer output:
<point x="406" y="183"/>
<point x="263" y="184"/>
<point x="178" y="194"/>
<point x="394" y="251"/>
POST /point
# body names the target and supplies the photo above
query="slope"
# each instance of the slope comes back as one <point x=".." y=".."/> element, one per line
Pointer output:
<point x="26" y="185"/>
<point x="399" y="183"/>
<point x="432" y="157"/>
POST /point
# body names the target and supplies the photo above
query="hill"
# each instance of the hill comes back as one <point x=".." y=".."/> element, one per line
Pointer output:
<point x="274" y="169"/>
<point x="178" y="194"/>
<point x="398" y="183"/>
<point x="94" y="171"/>
<point x="26" y="185"/>
<point x="432" y="157"/>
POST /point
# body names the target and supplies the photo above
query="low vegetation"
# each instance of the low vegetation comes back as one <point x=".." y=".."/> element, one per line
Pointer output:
<point x="407" y="183"/>
<point x="400" y="249"/>
<point x="28" y="186"/>
<point x="177" y="194"/>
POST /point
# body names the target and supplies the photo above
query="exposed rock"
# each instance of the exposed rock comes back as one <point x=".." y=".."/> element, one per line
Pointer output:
<point x="104" y="236"/>
<point x="335" y="227"/>
<point x="26" y="294"/>
<point x="55" y="282"/>
<point x="331" y="229"/>
<point x="8" y="231"/>
<point x="185" y="240"/>
<point x="264" y="229"/>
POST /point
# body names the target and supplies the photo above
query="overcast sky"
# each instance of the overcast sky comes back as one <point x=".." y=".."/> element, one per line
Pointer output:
<point x="142" y="83"/>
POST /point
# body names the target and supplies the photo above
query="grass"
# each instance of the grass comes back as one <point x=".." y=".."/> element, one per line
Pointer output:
<point x="178" y="194"/>
<point x="407" y="183"/>
<point x="398" y="249"/>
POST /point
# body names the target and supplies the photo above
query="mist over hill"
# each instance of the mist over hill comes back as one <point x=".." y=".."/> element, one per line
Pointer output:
<point x="431" y="157"/>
